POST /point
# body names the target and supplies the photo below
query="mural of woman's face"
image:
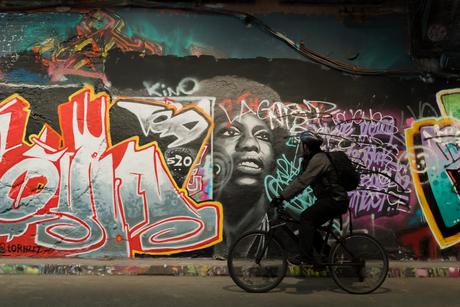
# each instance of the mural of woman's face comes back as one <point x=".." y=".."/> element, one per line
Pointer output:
<point x="248" y="145"/>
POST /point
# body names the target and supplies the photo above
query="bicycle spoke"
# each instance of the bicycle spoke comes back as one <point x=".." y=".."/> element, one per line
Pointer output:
<point x="368" y="264"/>
<point x="255" y="263"/>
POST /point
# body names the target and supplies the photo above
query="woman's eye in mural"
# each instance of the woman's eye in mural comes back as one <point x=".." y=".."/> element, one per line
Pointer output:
<point x="230" y="132"/>
<point x="263" y="135"/>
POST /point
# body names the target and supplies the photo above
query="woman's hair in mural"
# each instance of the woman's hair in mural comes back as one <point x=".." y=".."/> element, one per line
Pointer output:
<point x="245" y="150"/>
<point x="245" y="143"/>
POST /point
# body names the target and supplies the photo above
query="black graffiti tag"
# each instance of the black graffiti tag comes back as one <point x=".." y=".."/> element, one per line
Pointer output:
<point x="19" y="248"/>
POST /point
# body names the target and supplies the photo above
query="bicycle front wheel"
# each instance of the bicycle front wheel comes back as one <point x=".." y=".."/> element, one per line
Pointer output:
<point x="257" y="263"/>
<point x="362" y="264"/>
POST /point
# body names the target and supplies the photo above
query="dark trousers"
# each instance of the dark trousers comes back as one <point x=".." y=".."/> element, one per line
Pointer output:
<point x="319" y="213"/>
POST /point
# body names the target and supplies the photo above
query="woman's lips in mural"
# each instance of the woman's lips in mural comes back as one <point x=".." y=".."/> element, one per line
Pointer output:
<point x="251" y="165"/>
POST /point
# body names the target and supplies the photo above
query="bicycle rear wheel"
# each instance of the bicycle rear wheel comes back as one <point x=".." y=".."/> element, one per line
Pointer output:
<point x="368" y="264"/>
<point x="246" y="272"/>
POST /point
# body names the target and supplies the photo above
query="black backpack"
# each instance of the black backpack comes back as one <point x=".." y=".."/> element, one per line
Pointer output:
<point x="348" y="175"/>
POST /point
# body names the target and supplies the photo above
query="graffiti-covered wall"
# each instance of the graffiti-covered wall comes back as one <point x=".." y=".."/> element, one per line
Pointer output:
<point x="116" y="140"/>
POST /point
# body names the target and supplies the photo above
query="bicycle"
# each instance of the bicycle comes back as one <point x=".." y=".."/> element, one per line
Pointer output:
<point x="257" y="260"/>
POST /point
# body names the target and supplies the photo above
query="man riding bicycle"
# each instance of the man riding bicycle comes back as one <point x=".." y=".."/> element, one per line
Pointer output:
<point x="332" y="198"/>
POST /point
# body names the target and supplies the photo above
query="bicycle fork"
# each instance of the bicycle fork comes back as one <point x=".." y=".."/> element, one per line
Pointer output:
<point x="265" y="243"/>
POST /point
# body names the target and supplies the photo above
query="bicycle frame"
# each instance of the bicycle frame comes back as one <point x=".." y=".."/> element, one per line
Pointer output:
<point x="257" y="260"/>
<point x="328" y="229"/>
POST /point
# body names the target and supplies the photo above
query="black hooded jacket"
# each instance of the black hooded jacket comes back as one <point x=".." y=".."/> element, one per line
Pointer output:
<point x="317" y="171"/>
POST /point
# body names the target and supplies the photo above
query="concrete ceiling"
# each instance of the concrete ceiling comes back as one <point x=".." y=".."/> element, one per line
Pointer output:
<point x="432" y="25"/>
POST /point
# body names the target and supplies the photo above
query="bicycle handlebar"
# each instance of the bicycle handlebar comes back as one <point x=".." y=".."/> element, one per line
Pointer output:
<point x="281" y="214"/>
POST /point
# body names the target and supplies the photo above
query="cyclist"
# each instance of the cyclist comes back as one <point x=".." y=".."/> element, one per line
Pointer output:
<point x="332" y="199"/>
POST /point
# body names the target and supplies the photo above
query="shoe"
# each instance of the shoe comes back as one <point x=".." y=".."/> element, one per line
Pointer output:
<point x="297" y="260"/>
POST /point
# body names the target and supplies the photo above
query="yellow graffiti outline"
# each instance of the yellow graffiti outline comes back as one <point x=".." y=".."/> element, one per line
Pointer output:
<point x="45" y="46"/>
<point x="164" y="165"/>
<point x="182" y="189"/>
<point x="83" y="44"/>
<point x="441" y="94"/>
<point x="197" y="205"/>
<point x="93" y="96"/>
<point x="443" y="242"/>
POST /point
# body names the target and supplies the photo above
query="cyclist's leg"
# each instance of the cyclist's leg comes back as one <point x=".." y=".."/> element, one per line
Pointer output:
<point x="320" y="212"/>
<point x="318" y="243"/>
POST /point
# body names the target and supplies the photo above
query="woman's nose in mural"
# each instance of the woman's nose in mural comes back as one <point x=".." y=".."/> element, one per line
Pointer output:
<point x="248" y="142"/>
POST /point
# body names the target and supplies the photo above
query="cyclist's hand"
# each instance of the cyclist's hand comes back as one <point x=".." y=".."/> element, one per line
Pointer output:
<point x="277" y="201"/>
